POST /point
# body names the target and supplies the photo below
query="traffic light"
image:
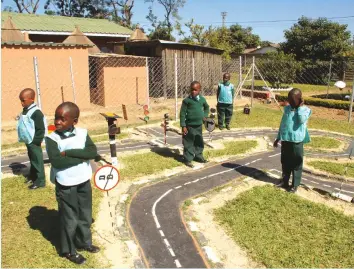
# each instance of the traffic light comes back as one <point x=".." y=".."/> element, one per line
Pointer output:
<point x="247" y="110"/>
<point x="212" y="113"/>
<point x="146" y="113"/>
<point x="167" y="120"/>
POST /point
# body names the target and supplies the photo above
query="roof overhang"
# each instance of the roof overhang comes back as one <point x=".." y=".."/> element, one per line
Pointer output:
<point x="31" y="32"/>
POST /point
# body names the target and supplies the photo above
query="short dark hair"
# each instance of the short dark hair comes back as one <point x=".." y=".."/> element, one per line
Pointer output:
<point x="72" y="108"/>
<point x="294" y="92"/>
<point x="30" y="91"/>
<point x="194" y="83"/>
<point x="227" y="73"/>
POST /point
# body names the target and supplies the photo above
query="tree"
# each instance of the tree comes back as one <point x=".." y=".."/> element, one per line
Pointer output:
<point x="279" y="68"/>
<point x="29" y="6"/>
<point x="318" y="39"/>
<point x="122" y="12"/>
<point x="198" y="36"/>
<point x="160" y="29"/>
<point x="78" y="8"/>
<point x="171" y="12"/>
<point x="242" y="38"/>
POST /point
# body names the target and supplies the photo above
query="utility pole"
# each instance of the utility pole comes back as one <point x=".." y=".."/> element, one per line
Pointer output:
<point x="223" y="15"/>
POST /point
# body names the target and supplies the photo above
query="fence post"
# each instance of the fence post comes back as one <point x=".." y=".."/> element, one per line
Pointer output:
<point x="351" y="103"/>
<point x="240" y="75"/>
<point x="72" y="79"/>
<point x="193" y="71"/>
<point x="329" y="77"/>
<point x="147" y="83"/>
<point x="176" y="88"/>
<point x="252" y="86"/>
<point x="36" y="77"/>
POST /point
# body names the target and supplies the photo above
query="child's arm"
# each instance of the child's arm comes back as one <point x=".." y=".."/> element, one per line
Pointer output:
<point x="233" y="92"/>
<point x="37" y="117"/>
<point x="304" y="114"/>
<point x="206" y="109"/>
<point x="275" y="144"/>
<point x="87" y="153"/>
<point x="182" y="114"/>
<point x="218" y="93"/>
<point x="56" y="159"/>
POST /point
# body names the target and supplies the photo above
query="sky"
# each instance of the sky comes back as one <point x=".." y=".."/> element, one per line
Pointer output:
<point x="249" y="13"/>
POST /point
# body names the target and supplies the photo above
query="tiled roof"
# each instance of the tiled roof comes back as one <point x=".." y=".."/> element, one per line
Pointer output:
<point x="43" y="44"/>
<point x="49" y="23"/>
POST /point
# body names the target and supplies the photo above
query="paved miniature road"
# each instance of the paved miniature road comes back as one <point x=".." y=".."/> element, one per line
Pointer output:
<point x="154" y="211"/>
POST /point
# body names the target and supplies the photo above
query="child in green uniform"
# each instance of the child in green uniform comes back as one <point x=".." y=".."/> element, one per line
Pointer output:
<point x="225" y="98"/>
<point x="194" y="110"/>
<point x="31" y="128"/>
<point x="293" y="133"/>
<point x="70" y="150"/>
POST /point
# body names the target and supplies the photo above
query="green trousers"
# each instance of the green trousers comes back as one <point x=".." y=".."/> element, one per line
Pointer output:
<point x="224" y="111"/>
<point x="75" y="214"/>
<point x="35" y="155"/>
<point x="292" y="155"/>
<point x="193" y="143"/>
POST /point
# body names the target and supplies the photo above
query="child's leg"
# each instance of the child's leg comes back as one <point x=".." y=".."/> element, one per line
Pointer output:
<point x="199" y="142"/>
<point x="35" y="154"/>
<point x="286" y="159"/>
<point x="188" y="145"/>
<point x="228" y="114"/>
<point x="68" y="216"/>
<point x="83" y="236"/>
<point x="221" y="115"/>
<point x="297" y="163"/>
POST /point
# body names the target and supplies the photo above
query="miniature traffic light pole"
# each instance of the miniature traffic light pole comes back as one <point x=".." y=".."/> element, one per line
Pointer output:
<point x="112" y="131"/>
<point x="210" y="123"/>
<point x="166" y="125"/>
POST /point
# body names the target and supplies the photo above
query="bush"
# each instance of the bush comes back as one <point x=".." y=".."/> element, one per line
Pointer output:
<point x="279" y="68"/>
<point x="337" y="104"/>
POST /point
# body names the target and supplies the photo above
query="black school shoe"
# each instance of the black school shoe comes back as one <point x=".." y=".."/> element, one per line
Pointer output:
<point x="284" y="185"/>
<point x="200" y="160"/>
<point x="91" y="249"/>
<point x="228" y="127"/>
<point x="75" y="258"/>
<point x="189" y="164"/>
<point x="34" y="187"/>
<point x="293" y="189"/>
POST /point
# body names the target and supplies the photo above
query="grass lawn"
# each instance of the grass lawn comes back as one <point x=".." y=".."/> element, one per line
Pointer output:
<point x="322" y="142"/>
<point x="231" y="148"/>
<point x="282" y="230"/>
<point x="263" y="116"/>
<point x="333" y="167"/>
<point x="30" y="231"/>
<point x="138" y="165"/>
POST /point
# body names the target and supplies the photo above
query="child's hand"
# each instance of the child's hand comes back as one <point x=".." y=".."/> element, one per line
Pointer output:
<point x="184" y="130"/>
<point x="276" y="143"/>
<point x="63" y="154"/>
<point x="302" y="102"/>
<point x="204" y="119"/>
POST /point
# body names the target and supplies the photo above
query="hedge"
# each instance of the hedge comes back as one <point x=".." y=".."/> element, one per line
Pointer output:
<point x="320" y="102"/>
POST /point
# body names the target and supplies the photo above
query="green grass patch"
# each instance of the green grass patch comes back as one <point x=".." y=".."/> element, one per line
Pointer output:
<point x="334" y="168"/>
<point x="30" y="227"/>
<point x="322" y="142"/>
<point x="231" y="148"/>
<point x="282" y="230"/>
<point x="138" y="165"/>
<point x="103" y="138"/>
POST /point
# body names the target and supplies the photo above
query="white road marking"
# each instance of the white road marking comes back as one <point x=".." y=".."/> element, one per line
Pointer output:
<point x="169" y="247"/>
<point x="194" y="181"/>
<point x="187" y="183"/>
<point x="328" y="186"/>
<point x="178" y="187"/>
<point x="344" y="190"/>
<point x="271" y="156"/>
<point x="313" y="182"/>
<point x="154" y="208"/>
<point x="178" y="264"/>
<point x="161" y="233"/>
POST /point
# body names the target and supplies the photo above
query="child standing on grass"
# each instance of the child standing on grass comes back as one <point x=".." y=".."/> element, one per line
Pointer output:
<point x="194" y="111"/>
<point x="225" y="97"/>
<point x="293" y="133"/>
<point x="70" y="150"/>
<point x="31" y="128"/>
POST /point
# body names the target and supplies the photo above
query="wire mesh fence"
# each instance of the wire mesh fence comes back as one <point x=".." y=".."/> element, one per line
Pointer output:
<point x="105" y="82"/>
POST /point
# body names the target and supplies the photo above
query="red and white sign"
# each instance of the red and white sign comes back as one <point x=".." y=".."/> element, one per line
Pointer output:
<point x="106" y="178"/>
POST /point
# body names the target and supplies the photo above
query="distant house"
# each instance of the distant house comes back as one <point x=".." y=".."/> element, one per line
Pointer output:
<point x="46" y="28"/>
